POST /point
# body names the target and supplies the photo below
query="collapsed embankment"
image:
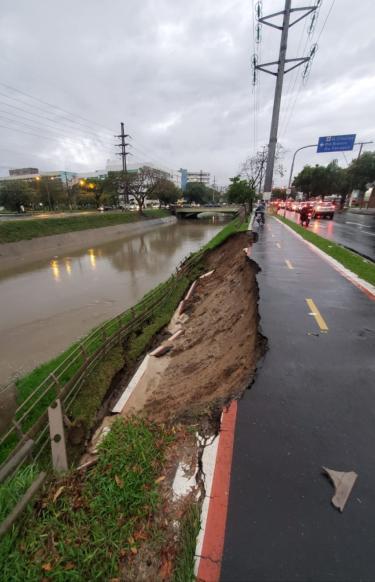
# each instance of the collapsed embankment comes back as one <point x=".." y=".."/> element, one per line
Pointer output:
<point x="213" y="358"/>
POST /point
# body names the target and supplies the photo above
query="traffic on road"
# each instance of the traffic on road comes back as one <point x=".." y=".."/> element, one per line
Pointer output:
<point x="353" y="230"/>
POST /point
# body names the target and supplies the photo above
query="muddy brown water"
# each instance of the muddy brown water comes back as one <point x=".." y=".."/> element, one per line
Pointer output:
<point x="50" y="304"/>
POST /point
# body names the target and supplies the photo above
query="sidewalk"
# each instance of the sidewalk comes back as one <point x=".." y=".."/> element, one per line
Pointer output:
<point x="312" y="405"/>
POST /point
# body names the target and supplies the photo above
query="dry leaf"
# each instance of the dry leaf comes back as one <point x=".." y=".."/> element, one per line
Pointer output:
<point x="140" y="535"/>
<point x="160" y="479"/>
<point x="47" y="567"/>
<point x="119" y="481"/>
<point x="114" y="580"/>
<point x="58" y="493"/>
<point x="165" y="570"/>
<point x="69" y="566"/>
<point x="134" y="550"/>
<point x="131" y="540"/>
<point x="123" y="553"/>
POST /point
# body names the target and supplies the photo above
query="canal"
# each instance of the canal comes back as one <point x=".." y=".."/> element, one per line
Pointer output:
<point x="48" y="305"/>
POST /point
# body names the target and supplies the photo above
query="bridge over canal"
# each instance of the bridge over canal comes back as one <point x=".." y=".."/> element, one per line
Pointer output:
<point x="193" y="211"/>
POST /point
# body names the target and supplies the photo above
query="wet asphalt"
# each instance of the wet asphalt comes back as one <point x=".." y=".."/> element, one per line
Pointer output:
<point x="355" y="231"/>
<point x="312" y="405"/>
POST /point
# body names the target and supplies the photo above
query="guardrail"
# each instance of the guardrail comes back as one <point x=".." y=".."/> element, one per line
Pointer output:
<point x="66" y="380"/>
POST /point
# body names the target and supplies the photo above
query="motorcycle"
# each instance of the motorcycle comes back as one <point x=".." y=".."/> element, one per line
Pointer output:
<point x="259" y="217"/>
<point x="305" y="221"/>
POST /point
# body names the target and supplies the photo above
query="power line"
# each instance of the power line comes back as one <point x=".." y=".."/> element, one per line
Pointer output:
<point x="90" y="121"/>
<point x="325" y="22"/>
<point x="37" y="125"/>
<point x="38" y="115"/>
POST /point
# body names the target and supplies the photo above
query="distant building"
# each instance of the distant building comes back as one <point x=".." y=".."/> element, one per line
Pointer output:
<point x="23" y="171"/>
<point x="32" y="174"/>
<point x="186" y="177"/>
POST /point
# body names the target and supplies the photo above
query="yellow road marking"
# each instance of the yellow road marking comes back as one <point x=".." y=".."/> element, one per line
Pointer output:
<point x="316" y="313"/>
<point x="289" y="264"/>
<point x="278" y="245"/>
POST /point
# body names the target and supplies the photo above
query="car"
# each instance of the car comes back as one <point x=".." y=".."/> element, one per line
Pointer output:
<point x="308" y="203"/>
<point x="323" y="210"/>
<point x="295" y="206"/>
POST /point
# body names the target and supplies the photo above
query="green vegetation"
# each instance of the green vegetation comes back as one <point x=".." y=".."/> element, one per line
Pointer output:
<point x="94" y="389"/>
<point x="355" y="263"/>
<point x="15" y="230"/>
<point x="184" y="565"/>
<point x="90" y="525"/>
<point x="241" y="192"/>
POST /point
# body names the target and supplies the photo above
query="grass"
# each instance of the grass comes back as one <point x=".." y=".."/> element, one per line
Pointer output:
<point x="26" y="229"/>
<point x="88" y="527"/>
<point x="355" y="263"/>
<point x="184" y="564"/>
<point x="91" y="395"/>
<point x="11" y="492"/>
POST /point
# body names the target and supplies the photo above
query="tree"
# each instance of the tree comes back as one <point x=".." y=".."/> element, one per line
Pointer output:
<point x="241" y="192"/>
<point x="362" y="171"/>
<point x="254" y="167"/>
<point x="196" y="192"/>
<point x="50" y="191"/>
<point x="166" y="192"/>
<point x="322" y="180"/>
<point x="15" y="193"/>
<point x="142" y="183"/>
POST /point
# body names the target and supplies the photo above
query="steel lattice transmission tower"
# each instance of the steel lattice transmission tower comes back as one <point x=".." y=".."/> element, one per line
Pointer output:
<point x="284" y="66"/>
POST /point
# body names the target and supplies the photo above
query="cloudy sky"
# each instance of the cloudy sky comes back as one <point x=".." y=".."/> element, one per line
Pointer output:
<point x="178" y="74"/>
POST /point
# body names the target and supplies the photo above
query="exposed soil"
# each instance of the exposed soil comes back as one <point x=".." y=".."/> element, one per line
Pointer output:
<point x="214" y="359"/>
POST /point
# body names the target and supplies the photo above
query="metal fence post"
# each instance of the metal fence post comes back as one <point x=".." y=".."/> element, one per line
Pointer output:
<point x="57" y="435"/>
<point x="84" y="352"/>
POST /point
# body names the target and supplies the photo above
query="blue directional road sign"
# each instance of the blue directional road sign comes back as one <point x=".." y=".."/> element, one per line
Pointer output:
<point x="336" y="143"/>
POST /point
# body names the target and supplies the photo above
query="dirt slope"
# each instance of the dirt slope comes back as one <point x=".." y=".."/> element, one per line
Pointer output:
<point x="214" y="359"/>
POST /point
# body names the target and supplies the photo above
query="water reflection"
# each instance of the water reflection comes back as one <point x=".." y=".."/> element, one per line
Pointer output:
<point x="91" y="253"/>
<point x="55" y="269"/>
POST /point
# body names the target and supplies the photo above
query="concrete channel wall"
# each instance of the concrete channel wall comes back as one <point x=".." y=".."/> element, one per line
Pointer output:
<point x="25" y="252"/>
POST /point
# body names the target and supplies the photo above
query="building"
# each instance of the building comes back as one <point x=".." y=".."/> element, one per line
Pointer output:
<point x="32" y="174"/>
<point x="186" y="176"/>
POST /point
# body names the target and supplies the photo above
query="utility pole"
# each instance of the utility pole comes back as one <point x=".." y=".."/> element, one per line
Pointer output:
<point x="123" y="155"/>
<point x="281" y="71"/>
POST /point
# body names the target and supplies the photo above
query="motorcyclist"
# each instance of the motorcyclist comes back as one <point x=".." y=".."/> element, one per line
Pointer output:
<point x="304" y="215"/>
<point x="260" y="211"/>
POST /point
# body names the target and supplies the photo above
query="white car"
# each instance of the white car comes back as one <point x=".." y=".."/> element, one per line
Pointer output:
<point x="323" y="210"/>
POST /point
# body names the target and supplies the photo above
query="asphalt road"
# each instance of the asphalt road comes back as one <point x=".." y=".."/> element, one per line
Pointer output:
<point x="355" y="231"/>
<point x="312" y="405"/>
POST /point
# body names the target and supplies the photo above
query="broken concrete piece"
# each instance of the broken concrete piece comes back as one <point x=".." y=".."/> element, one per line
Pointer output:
<point x="343" y="482"/>
<point x="131" y="386"/>
<point x="160" y="351"/>
<point x="181" y="307"/>
<point x="175" y="335"/>
<point x="191" y="291"/>
<point x="207" y="274"/>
